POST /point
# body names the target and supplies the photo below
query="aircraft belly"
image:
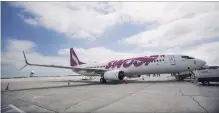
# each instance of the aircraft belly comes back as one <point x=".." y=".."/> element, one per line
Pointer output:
<point x="138" y="70"/>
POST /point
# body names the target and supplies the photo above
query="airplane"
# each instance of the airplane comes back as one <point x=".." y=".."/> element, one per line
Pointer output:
<point x="131" y="67"/>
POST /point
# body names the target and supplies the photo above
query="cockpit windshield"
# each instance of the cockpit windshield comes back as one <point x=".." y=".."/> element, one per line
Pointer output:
<point x="187" y="57"/>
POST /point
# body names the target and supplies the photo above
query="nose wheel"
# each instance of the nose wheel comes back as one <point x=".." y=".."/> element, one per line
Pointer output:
<point x="102" y="80"/>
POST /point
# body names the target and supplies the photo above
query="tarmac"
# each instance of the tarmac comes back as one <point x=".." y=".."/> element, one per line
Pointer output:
<point x="71" y="94"/>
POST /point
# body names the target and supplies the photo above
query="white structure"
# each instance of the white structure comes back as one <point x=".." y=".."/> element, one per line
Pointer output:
<point x="31" y="73"/>
<point x="207" y="74"/>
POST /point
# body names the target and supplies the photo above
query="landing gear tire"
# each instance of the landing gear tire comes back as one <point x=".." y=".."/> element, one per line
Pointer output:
<point x="102" y="80"/>
<point x="205" y="82"/>
<point x="179" y="78"/>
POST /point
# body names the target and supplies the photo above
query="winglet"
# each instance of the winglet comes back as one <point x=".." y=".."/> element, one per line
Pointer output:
<point x="26" y="63"/>
<point x="25" y="59"/>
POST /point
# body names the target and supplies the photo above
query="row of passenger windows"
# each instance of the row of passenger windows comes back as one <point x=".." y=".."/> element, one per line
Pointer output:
<point x="155" y="60"/>
<point x="97" y="67"/>
<point x="158" y="60"/>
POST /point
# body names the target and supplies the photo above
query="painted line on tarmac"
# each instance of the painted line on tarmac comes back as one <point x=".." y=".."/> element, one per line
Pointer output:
<point x="15" y="108"/>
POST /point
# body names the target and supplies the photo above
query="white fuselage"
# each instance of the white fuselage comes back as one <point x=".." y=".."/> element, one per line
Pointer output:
<point x="157" y="64"/>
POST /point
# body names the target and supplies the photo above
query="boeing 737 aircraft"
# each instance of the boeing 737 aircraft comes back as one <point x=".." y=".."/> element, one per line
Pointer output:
<point x="132" y="67"/>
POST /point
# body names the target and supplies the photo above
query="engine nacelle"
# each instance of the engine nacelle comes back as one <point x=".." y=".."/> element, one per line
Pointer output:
<point x="114" y="75"/>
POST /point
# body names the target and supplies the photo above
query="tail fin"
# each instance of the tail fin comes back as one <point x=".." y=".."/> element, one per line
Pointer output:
<point x="74" y="59"/>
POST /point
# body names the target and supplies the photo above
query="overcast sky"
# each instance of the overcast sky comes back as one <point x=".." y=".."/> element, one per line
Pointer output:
<point x="102" y="31"/>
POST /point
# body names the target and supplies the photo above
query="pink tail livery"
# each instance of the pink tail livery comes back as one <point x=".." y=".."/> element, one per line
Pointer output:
<point x="74" y="59"/>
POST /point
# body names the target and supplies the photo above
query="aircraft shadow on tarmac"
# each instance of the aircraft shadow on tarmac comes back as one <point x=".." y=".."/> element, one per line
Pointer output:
<point x="38" y="88"/>
<point x="90" y="83"/>
<point x="119" y="82"/>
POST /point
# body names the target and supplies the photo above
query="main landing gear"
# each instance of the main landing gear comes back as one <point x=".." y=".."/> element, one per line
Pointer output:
<point x="102" y="80"/>
<point x="179" y="78"/>
<point x="205" y="82"/>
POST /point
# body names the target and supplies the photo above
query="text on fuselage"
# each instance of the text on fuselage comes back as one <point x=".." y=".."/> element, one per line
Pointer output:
<point x="139" y="61"/>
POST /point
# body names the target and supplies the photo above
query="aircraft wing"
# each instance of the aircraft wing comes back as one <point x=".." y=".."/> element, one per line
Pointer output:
<point x="92" y="70"/>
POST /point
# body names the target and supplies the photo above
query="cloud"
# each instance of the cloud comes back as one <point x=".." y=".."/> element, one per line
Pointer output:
<point x="19" y="45"/>
<point x="184" y="26"/>
<point x="169" y="23"/>
<point x="208" y="52"/>
<point x="13" y="60"/>
<point x="31" y="21"/>
<point x="74" y="19"/>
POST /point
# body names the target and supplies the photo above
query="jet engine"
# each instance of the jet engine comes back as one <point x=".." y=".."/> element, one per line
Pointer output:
<point x="114" y="75"/>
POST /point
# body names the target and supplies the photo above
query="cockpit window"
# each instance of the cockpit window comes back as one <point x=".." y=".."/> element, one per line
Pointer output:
<point x="187" y="57"/>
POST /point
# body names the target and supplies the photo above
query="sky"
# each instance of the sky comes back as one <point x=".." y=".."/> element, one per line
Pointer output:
<point x="102" y="31"/>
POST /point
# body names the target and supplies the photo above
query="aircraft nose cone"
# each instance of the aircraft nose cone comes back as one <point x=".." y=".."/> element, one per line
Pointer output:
<point x="202" y="62"/>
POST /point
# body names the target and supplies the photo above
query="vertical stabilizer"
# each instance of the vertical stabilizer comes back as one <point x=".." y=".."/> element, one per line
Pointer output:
<point x="74" y="61"/>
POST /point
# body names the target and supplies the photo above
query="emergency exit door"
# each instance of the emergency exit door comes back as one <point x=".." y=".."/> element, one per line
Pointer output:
<point x="172" y="60"/>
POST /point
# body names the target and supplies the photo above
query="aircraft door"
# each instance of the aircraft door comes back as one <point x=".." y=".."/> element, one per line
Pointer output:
<point x="172" y="60"/>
